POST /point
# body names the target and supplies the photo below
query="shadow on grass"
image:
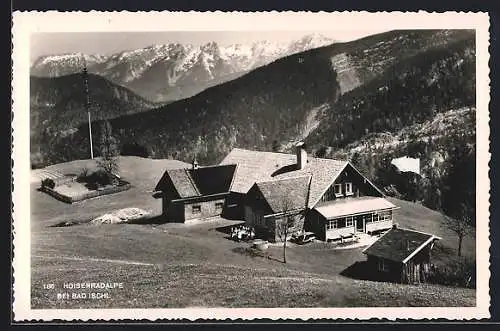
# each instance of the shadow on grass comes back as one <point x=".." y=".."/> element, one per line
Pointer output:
<point x="254" y="253"/>
<point x="154" y="219"/>
<point x="67" y="223"/>
<point x="157" y="219"/>
<point x="358" y="270"/>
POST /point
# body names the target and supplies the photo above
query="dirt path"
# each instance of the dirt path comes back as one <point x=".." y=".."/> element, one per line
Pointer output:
<point x="86" y="259"/>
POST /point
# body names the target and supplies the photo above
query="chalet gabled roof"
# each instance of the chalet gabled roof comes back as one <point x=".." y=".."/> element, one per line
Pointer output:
<point x="181" y="182"/>
<point x="198" y="182"/>
<point x="257" y="166"/>
<point x="400" y="245"/>
<point x="287" y="194"/>
<point x="213" y="179"/>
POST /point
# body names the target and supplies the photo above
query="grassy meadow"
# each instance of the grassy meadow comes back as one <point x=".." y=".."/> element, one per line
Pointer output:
<point x="175" y="265"/>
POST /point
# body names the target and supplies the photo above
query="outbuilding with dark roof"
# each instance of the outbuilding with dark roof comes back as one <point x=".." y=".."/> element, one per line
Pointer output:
<point x="401" y="255"/>
<point x="196" y="193"/>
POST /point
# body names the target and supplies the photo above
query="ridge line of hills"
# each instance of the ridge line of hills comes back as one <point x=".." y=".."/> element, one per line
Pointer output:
<point x="173" y="71"/>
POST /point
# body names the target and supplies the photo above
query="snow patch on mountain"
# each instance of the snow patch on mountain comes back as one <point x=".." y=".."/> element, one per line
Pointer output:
<point x="78" y="57"/>
<point x="161" y="66"/>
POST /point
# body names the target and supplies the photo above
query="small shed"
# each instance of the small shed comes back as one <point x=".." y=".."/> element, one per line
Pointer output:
<point x="198" y="193"/>
<point x="401" y="255"/>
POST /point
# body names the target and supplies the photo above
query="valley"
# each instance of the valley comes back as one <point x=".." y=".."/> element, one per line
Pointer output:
<point x="370" y="100"/>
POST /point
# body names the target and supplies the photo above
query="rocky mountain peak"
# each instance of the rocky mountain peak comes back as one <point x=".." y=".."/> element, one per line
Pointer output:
<point x="155" y="71"/>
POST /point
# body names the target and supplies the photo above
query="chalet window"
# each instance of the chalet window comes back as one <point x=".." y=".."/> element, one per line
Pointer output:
<point x="367" y="218"/>
<point x="382" y="265"/>
<point x="348" y="189"/>
<point x="375" y="217"/>
<point x="338" y="190"/>
<point x="196" y="209"/>
<point x="219" y="205"/>
<point x="333" y="224"/>
<point x="349" y="222"/>
<point x="385" y="216"/>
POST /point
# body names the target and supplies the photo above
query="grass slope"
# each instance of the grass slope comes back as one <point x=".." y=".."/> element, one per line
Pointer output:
<point x="173" y="265"/>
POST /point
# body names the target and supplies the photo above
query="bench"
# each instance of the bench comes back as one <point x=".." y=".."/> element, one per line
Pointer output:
<point x="341" y="239"/>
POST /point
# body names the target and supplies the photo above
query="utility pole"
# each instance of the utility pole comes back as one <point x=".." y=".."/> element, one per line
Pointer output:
<point x="87" y="104"/>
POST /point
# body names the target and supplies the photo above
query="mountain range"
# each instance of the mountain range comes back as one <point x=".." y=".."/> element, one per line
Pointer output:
<point x="329" y="96"/>
<point x="175" y="71"/>
<point x="403" y="92"/>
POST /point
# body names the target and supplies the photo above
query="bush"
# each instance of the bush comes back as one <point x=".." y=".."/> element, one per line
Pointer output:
<point x="99" y="177"/>
<point x="48" y="182"/>
<point x="92" y="186"/>
<point x="82" y="177"/>
<point x="458" y="272"/>
<point x="96" y="179"/>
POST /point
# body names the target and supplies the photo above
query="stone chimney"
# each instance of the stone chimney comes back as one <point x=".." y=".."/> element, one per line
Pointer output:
<point x="194" y="164"/>
<point x="300" y="150"/>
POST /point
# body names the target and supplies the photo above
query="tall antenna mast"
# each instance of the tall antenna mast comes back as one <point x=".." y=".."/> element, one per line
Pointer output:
<point x="87" y="104"/>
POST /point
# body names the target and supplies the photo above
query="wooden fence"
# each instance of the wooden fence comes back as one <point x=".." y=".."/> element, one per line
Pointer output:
<point x="88" y="195"/>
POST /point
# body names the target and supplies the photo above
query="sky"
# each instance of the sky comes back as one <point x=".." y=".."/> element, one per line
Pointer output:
<point x="112" y="42"/>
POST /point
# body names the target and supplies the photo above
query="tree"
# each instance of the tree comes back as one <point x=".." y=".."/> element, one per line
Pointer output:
<point x="135" y="149"/>
<point x="109" y="151"/>
<point x="461" y="225"/>
<point x="433" y="195"/>
<point x="356" y="160"/>
<point x="321" y="152"/>
<point x="459" y="184"/>
<point x="288" y="223"/>
<point x="276" y="146"/>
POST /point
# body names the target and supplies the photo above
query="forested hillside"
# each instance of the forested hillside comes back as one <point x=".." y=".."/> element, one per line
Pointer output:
<point x="253" y="111"/>
<point x="423" y="107"/>
<point x="57" y="108"/>
<point x="409" y="92"/>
